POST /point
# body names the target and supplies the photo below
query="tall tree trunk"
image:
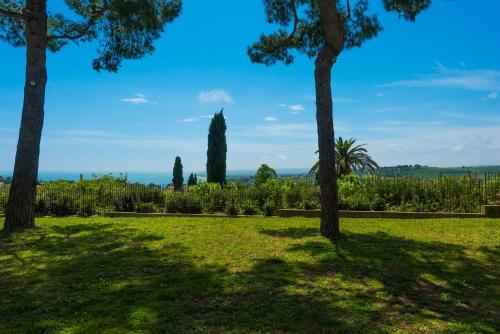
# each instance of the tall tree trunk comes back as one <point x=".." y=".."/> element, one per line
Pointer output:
<point x="21" y="205"/>
<point x="324" y="118"/>
<point x="333" y="32"/>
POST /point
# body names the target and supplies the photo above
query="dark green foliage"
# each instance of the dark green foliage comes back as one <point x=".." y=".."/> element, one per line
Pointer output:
<point x="178" y="179"/>
<point x="300" y="29"/>
<point x="264" y="173"/>
<point x="183" y="202"/>
<point x="192" y="180"/>
<point x="217" y="149"/>
<point x="249" y="208"/>
<point x="121" y="29"/>
<point x="306" y="35"/>
<point x="408" y="9"/>
<point x="349" y="158"/>
<point x="146" y="207"/>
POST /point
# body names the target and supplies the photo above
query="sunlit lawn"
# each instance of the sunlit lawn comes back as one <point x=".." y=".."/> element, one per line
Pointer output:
<point x="199" y="275"/>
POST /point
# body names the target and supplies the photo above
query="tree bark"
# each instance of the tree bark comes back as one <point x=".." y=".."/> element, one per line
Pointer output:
<point x="333" y="32"/>
<point x="22" y="194"/>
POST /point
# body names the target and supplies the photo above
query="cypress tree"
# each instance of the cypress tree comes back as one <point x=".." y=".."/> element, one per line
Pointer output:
<point x="192" y="180"/>
<point x="217" y="149"/>
<point x="178" y="179"/>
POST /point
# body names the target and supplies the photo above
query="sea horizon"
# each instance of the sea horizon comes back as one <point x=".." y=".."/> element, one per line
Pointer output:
<point x="147" y="177"/>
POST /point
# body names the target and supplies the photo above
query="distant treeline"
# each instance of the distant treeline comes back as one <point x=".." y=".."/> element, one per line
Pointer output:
<point x="6" y="180"/>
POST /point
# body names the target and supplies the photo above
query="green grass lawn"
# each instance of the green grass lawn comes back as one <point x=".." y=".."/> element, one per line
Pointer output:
<point x="261" y="275"/>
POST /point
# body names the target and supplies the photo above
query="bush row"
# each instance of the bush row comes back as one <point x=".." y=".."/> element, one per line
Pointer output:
<point x="87" y="198"/>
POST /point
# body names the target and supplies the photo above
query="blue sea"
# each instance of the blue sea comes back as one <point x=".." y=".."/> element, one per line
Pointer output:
<point x="147" y="177"/>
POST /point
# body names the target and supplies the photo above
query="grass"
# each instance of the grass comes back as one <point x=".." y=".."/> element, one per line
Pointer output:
<point x="222" y="275"/>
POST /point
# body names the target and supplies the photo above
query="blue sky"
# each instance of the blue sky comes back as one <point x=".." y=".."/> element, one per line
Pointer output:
<point x="424" y="92"/>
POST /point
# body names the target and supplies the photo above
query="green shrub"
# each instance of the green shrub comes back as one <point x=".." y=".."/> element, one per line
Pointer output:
<point x="146" y="207"/>
<point x="87" y="209"/>
<point x="3" y="199"/>
<point x="269" y="208"/>
<point x="124" y="203"/>
<point x="182" y="202"/>
<point x="63" y="205"/>
<point x="42" y="207"/>
<point x="310" y="204"/>
<point x="249" y="208"/>
<point x="211" y="195"/>
<point x="232" y="209"/>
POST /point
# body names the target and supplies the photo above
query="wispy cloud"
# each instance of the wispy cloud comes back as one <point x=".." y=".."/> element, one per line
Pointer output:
<point x="138" y="99"/>
<point x="493" y="95"/>
<point x="189" y="120"/>
<point x="270" y="119"/>
<point x="215" y="96"/>
<point x="478" y="80"/>
<point x="206" y="116"/>
<point x="9" y="130"/>
<point x="295" y="108"/>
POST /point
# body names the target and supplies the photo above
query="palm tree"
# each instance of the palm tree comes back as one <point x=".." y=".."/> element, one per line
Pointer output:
<point x="349" y="157"/>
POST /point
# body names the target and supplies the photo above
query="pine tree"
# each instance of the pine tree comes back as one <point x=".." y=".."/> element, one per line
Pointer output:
<point x="178" y="179"/>
<point x="123" y="30"/>
<point x="192" y="180"/>
<point x="322" y="29"/>
<point x="217" y="149"/>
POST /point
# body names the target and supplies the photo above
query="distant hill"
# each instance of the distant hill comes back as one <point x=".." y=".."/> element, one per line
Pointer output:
<point x="435" y="172"/>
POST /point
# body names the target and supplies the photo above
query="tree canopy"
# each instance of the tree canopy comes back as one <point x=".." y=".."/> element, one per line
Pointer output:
<point x="123" y="29"/>
<point x="300" y="26"/>
<point x="264" y="173"/>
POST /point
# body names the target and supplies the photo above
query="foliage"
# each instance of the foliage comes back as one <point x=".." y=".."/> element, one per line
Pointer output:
<point x="98" y="195"/>
<point x="182" y="202"/>
<point x="349" y="158"/>
<point x="126" y="275"/>
<point x="145" y="207"/>
<point x="211" y="195"/>
<point x="3" y="198"/>
<point x="192" y="180"/>
<point x="249" y="208"/>
<point x="303" y="20"/>
<point x="122" y="29"/>
<point x="178" y="179"/>
<point x="217" y="149"/>
<point x="264" y="173"/>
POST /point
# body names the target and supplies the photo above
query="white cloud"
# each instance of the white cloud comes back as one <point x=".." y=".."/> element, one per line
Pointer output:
<point x="493" y="95"/>
<point x="189" y="120"/>
<point x="478" y="80"/>
<point x="270" y="119"/>
<point x="215" y="96"/>
<point x="437" y="145"/>
<point x="138" y="99"/>
<point x="295" y="108"/>
<point x="206" y="116"/>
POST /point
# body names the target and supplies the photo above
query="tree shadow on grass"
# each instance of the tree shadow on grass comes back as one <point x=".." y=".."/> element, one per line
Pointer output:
<point x="417" y="280"/>
<point x="110" y="278"/>
<point x="100" y="278"/>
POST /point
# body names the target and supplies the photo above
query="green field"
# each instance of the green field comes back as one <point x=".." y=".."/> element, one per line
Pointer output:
<point x="259" y="275"/>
